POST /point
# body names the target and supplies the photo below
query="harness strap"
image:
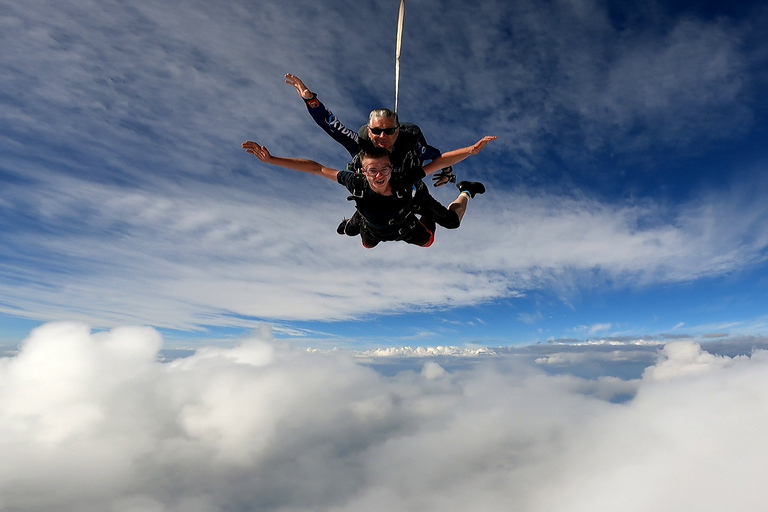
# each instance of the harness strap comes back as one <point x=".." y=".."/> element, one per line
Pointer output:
<point x="358" y="187"/>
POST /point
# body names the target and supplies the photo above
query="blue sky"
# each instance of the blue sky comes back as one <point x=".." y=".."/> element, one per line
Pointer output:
<point x="625" y="192"/>
<point x="616" y="266"/>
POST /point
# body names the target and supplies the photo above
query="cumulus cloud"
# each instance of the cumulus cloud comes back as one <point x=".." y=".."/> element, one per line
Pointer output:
<point x="91" y="421"/>
<point x="686" y="358"/>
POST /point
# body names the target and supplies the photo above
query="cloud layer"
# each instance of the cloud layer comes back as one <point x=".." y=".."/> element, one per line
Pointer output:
<point x="214" y="255"/>
<point x="92" y="422"/>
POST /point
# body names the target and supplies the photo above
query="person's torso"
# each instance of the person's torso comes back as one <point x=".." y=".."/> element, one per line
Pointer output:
<point x="385" y="213"/>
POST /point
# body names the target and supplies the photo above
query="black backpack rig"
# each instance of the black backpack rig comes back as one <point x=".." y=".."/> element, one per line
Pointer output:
<point x="404" y="157"/>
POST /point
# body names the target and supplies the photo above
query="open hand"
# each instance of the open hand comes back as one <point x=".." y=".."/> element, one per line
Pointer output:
<point x="479" y="145"/>
<point x="259" y="151"/>
<point x="296" y="82"/>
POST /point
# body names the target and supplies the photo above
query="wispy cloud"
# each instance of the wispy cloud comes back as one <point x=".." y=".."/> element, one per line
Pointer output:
<point x="199" y="254"/>
<point x="594" y="329"/>
<point x="126" y="198"/>
<point x="571" y="68"/>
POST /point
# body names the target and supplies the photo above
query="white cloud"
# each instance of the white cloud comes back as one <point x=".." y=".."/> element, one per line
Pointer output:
<point x="686" y="358"/>
<point x="93" y="422"/>
<point x="425" y="352"/>
<point x="217" y="254"/>
<point x="647" y="81"/>
<point x="574" y="357"/>
<point x="177" y="82"/>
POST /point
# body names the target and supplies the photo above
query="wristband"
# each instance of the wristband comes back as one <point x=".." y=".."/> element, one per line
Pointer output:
<point x="312" y="102"/>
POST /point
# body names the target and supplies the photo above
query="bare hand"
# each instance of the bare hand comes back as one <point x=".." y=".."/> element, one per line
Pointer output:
<point x="259" y="151"/>
<point x="296" y="82"/>
<point x="479" y="145"/>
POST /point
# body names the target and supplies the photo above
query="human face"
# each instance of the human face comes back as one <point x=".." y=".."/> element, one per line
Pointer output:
<point x="377" y="171"/>
<point x="383" y="140"/>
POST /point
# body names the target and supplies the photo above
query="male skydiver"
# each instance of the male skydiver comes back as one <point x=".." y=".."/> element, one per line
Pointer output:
<point x="405" y="141"/>
<point x="386" y="214"/>
<point x="382" y="133"/>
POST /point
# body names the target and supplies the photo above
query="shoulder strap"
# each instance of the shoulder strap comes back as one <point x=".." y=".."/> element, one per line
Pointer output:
<point x="411" y="128"/>
<point x="358" y="186"/>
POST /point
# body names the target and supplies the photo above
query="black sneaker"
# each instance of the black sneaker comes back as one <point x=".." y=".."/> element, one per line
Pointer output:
<point x="473" y="187"/>
<point x="350" y="227"/>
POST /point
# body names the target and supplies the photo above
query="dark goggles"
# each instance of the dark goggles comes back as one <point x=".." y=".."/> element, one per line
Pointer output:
<point x="385" y="131"/>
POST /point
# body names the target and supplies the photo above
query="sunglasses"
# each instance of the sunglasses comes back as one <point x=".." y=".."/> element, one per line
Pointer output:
<point x="385" y="131"/>
<point x="384" y="171"/>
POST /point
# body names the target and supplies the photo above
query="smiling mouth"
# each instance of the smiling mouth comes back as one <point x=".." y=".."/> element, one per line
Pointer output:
<point x="380" y="181"/>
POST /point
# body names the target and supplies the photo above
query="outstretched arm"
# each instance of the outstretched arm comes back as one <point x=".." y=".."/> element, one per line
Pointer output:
<point x="457" y="155"/>
<point x="297" y="164"/>
<point x="323" y="117"/>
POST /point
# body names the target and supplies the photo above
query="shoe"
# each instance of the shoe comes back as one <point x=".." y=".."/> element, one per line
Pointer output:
<point x="350" y="227"/>
<point x="473" y="187"/>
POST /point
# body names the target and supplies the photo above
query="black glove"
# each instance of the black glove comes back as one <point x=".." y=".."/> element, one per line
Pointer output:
<point x="444" y="176"/>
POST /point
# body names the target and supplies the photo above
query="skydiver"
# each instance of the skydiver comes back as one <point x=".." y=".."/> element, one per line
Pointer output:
<point x="404" y="140"/>
<point x="386" y="214"/>
<point x="383" y="129"/>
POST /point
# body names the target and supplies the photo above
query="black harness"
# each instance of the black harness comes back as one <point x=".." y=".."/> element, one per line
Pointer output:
<point x="402" y="161"/>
